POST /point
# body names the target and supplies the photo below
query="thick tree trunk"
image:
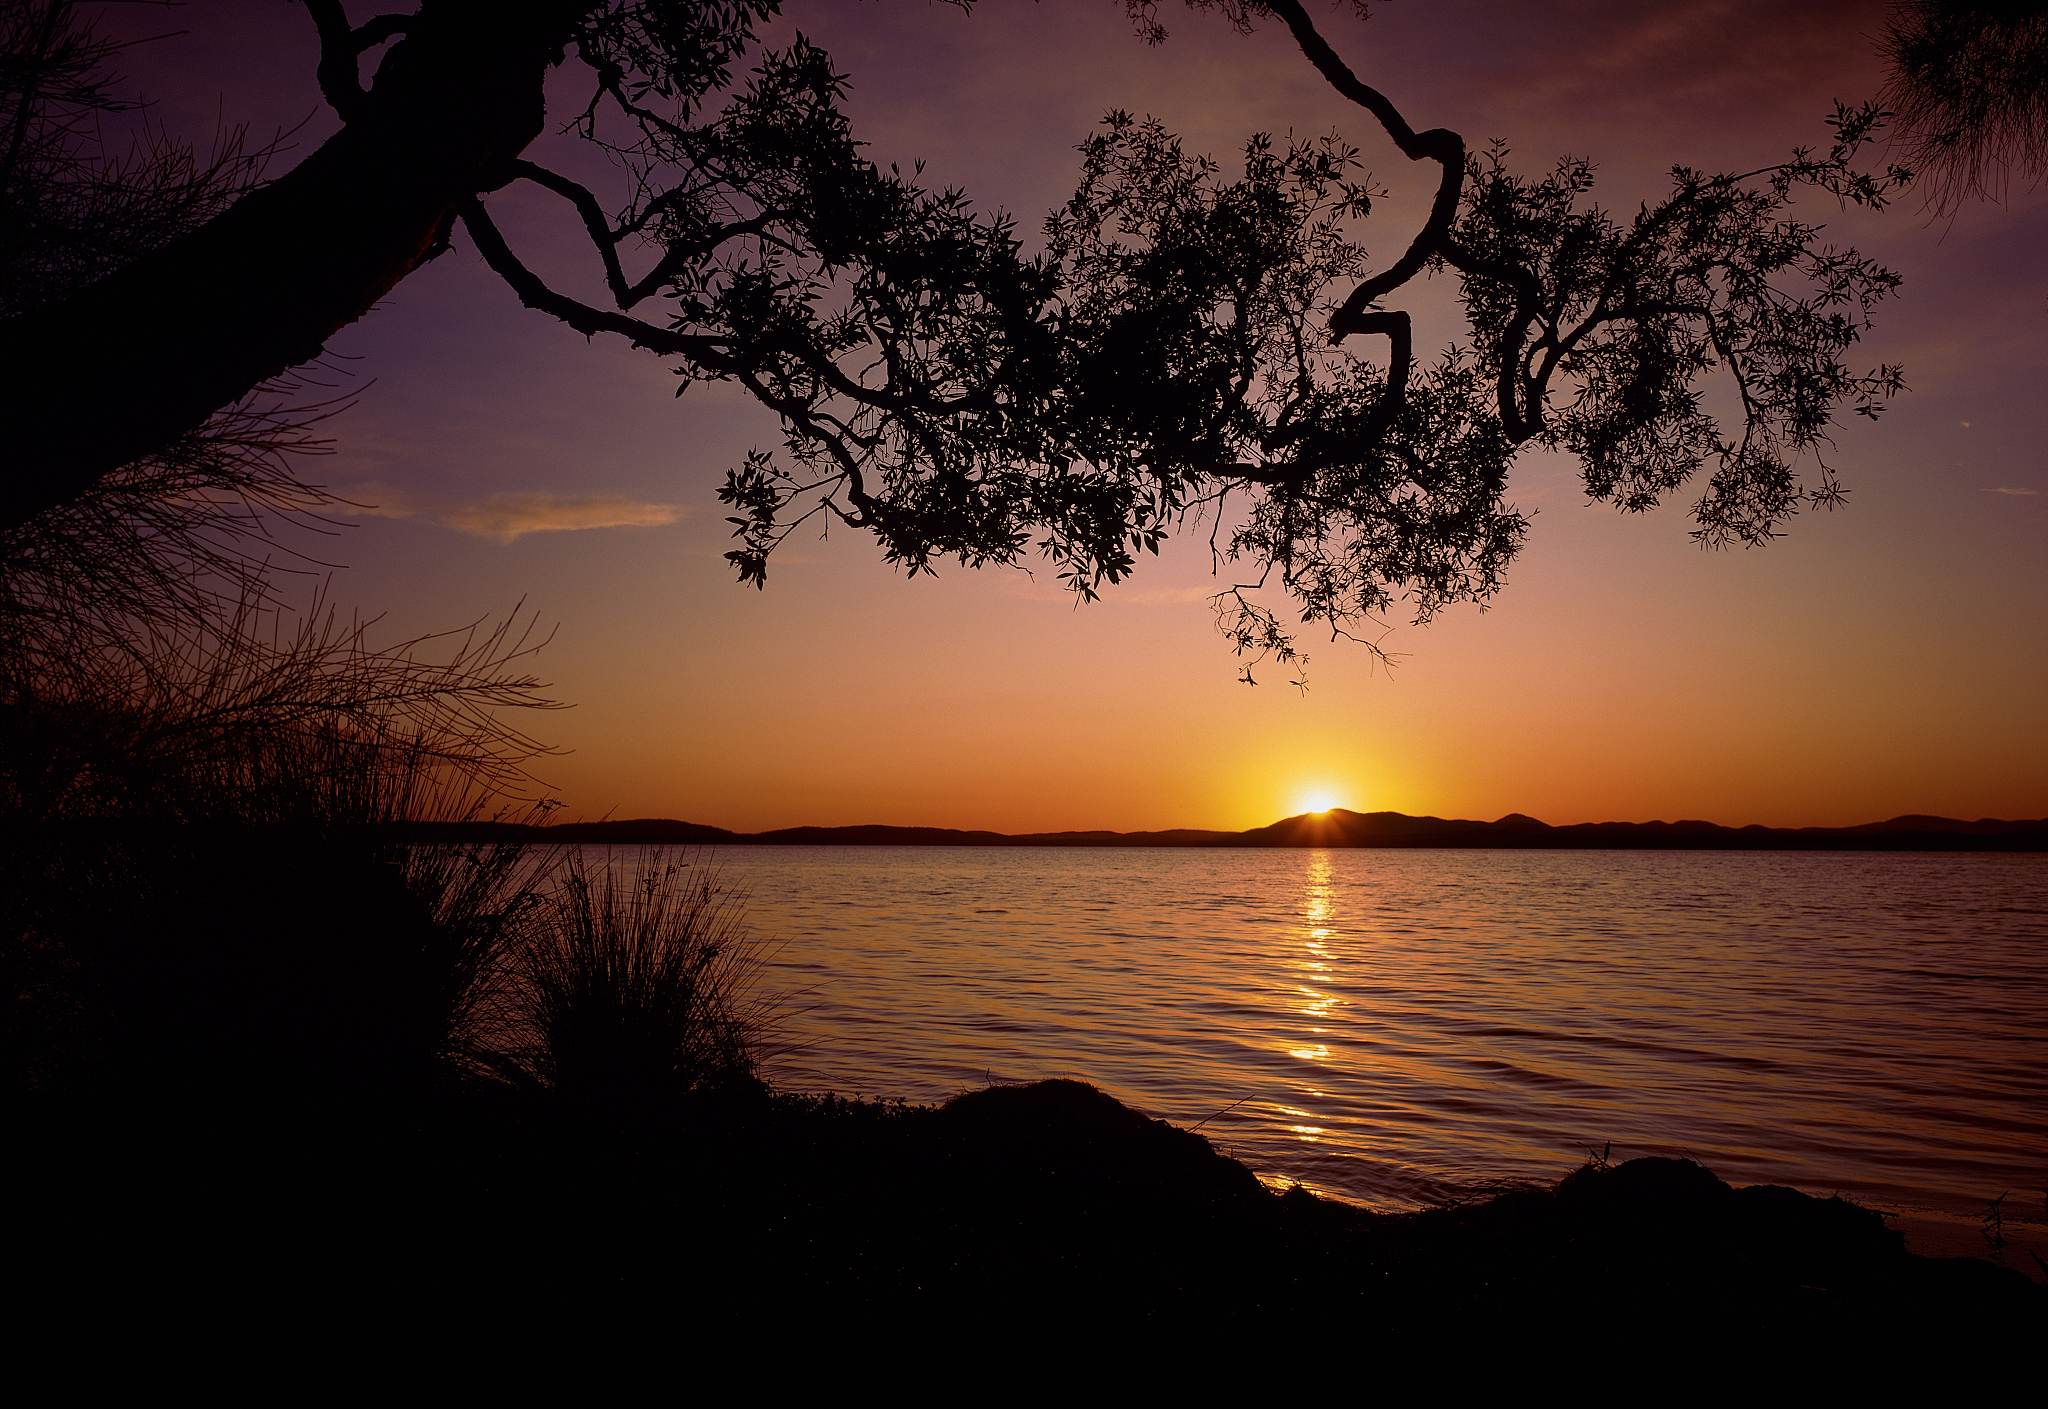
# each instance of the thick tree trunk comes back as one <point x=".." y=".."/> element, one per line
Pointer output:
<point x="99" y="379"/>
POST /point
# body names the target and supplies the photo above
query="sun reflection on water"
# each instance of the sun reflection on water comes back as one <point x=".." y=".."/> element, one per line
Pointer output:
<point x="1312" y="963"/>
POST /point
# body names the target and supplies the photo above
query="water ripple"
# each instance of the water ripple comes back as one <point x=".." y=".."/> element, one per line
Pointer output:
<point x="1397" y="1026"/>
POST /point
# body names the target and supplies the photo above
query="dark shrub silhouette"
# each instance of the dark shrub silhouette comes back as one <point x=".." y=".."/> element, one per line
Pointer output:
<point x="635" y="988"/>
<point x="252" y="926"/>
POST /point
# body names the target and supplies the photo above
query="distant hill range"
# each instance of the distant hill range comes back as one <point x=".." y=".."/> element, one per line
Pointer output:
<point x="1334" y="828"/>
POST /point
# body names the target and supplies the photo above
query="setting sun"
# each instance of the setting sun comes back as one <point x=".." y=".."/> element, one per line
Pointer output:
<point x="1318" y="800"/>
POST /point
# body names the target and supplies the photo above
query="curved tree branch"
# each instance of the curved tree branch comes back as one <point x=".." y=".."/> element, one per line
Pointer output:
<point x="373" y="32"/>
<point x="105" y="376"/>
<point x="677" y="258"/>
<point x="1439" y="144"/>
<point x="341" y="83"/>
<point x="534" y="292"/>
<point x="1520" y="405"/>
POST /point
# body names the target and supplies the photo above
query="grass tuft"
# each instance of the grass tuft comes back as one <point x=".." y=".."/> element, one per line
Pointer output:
<point x="636" y="987"/>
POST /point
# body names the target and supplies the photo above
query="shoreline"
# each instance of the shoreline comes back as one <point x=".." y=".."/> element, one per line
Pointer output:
<point x="1009" y="1202"/>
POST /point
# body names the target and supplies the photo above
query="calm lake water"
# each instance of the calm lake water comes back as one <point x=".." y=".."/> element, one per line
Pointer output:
<point x="1394" y="1027"/>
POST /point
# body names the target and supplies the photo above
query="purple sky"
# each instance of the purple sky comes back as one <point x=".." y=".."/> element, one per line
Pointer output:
<point x="1888" y="658"/>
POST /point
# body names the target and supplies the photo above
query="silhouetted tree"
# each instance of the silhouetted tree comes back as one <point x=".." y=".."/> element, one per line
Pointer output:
<point x="1969" y="88"/>
<point x="1164" y="355"/>
<point x="159" y="536"/>
<point x="136" y="616"/>
<point x="191" y="789"/>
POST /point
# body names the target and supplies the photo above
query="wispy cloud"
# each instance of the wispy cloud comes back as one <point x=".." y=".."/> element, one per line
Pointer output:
<point x="507" y="517"/>
<point x="2008" y="489"/>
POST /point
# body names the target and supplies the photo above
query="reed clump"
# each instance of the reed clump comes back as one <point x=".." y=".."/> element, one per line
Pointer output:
<point x="636" y="988"/>
<point x="275" y="942"/>
<point x="206" y="894"/>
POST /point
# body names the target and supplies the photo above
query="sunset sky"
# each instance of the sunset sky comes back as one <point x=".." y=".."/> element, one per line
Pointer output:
<point x="1891" y="657"/>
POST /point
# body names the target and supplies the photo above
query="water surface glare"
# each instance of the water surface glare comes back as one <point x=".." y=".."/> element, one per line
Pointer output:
<point x="1397" y="1026"/>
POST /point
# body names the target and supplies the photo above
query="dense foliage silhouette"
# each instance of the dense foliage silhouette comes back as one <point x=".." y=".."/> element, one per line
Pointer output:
<point x="1183" y="344"/>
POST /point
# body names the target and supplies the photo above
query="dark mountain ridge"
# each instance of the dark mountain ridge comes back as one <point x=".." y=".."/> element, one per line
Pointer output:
<point x="1338" y="827"/>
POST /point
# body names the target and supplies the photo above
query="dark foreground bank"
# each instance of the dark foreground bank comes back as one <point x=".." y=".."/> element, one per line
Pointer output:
<point x="1050" y="1200"/>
